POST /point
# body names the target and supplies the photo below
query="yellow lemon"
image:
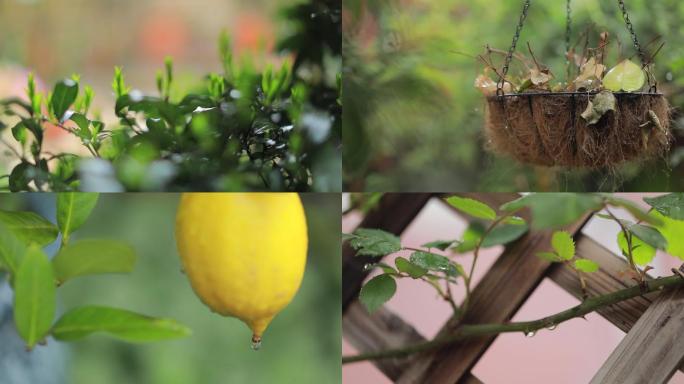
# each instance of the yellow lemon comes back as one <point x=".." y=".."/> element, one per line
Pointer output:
<point x="244" y="253"/>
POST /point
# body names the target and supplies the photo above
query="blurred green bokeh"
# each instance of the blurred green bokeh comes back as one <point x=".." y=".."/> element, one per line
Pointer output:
<point x="413" y="119"/>
<point x="302" y="345"/>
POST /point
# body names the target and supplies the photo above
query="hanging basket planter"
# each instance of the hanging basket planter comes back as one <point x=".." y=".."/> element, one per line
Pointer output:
<point x="585" y="127"/>
<point x="548" y="129"/>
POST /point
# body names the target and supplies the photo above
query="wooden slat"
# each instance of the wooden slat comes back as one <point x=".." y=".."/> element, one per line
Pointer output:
<point x="500" y="293"/>
<point x="653" y="348"/>
<point x="609" y="278"/>
<point x="393" y="214"/>
<point x="381" y="331"/>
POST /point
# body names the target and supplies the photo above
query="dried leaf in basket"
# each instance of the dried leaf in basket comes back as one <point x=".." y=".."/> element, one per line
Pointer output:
<point x="590" y="75"/>
<point x="599" y="106"/>
<point x="488" y="86"/>
<point x="626" y="76"/>
<point x="540" y="78"/>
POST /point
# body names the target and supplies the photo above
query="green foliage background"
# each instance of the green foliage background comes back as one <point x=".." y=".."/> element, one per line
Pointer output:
<point x="412" y="118"/>
<point x="302" y="344"/>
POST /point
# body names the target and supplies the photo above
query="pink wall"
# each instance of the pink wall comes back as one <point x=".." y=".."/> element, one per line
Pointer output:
<point x="571" y="353"/>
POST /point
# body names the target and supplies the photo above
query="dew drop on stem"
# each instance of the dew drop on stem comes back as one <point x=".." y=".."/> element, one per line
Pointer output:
<point x="551" y="327"/>
<point x="368" y="266"/>
<point x="530" y="333"/>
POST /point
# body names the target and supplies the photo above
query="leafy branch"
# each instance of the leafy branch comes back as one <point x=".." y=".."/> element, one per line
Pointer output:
<point x="35" y="278"/>
<point x="659" y="228"/>
<point x="526" y="327"/>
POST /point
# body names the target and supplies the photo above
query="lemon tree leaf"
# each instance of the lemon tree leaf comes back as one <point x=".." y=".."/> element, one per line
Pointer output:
<point x="373" y="242"/>
<point x="34" y="296"/>
<point x="563" y="244"/>
<point x="122" y="324"/>
<point x="672" y="231"/>
<point x="626" y="76"/>
<point x="88" y="257"/>
<point x="504" y="234"/>
<point x="553" y="210"/>
<point x="549" y="256"/>
<point x="642" y="253"/>
<point x="29" y="227"/>
<point x="514" y="220"/>
<point x="73" y="209"/>
<point x="377" y="291"/>
<point x="415" y="271"/>
<point x="585" y="265"/>
<point x="440" y="244"/>
<point x="11" y="250"/>
<point x="650" y="235"/>
<point x="472" y="207"/>
<point x="670" y="205"/>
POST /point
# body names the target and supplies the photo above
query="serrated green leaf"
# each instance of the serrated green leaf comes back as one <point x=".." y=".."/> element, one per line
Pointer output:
<point x="433" y="262"/>
<point x="29" y="227"/>
<point x="585" y="265"/>
<point x="633" y="209"/>
<point x="514" y="220"/>
<point x="472" y="207"/>
<point x="504" y="234"/>
<point x="649" y="235"/>
<point x="549" y="256"/>
<point x="73" y="209"/>
<point x="89" y="257"/>
<point x="34" y="296"/>
<point x="126" y="325"/>
<point x="440" y="244"/>
<point x="670" y="205"/>
<point x="471" y="237"/>
<point x="377" y="291"/>
<point x="554" y="210"/>
<point x="413" y="270"/>
<point x="642" y="253"/>
<point x="373" y="242"/>
<point x="672" y="230"/>
<point x="563" y="244"/>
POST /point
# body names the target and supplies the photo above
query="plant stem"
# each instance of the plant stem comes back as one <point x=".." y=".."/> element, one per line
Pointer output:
<point x="476" y="254"/>
<point x="628" y="239"/>
<point x="527" y="327"/>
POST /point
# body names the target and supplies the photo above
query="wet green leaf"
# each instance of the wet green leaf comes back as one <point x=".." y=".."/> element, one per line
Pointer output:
<point x="413" y="270"/>
<point x="377" y="291"/>
<point x="373" y="242"/>
<point x="670" y="205"/>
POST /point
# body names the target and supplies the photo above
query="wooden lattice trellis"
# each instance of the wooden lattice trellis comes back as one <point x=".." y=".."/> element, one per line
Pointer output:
<point x="651" y="352"/>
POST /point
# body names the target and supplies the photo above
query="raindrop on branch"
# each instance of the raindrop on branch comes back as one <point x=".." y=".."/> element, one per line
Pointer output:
<point x="530" y="333"/>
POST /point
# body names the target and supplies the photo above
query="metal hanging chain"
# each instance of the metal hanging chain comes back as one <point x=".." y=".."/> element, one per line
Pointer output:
<point x="630" y="28"/>
<point x="568" y="26"/>
<point x="652" y="83"/>
<point x="511" y="50"/>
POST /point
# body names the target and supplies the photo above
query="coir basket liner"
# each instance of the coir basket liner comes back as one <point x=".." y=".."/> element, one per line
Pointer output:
<point x="547" y="128"/>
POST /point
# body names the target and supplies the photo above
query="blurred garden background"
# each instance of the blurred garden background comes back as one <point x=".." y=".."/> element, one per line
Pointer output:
<point x="413" y="118"/>
<point x="57" y="38"/>
<point x="302" y="345"/>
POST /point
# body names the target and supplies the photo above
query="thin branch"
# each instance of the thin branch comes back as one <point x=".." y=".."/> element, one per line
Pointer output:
<point x="526" y="327"/>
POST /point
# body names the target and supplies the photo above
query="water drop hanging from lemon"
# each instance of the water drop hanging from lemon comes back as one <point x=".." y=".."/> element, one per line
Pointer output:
<point x="244" y="253"/>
